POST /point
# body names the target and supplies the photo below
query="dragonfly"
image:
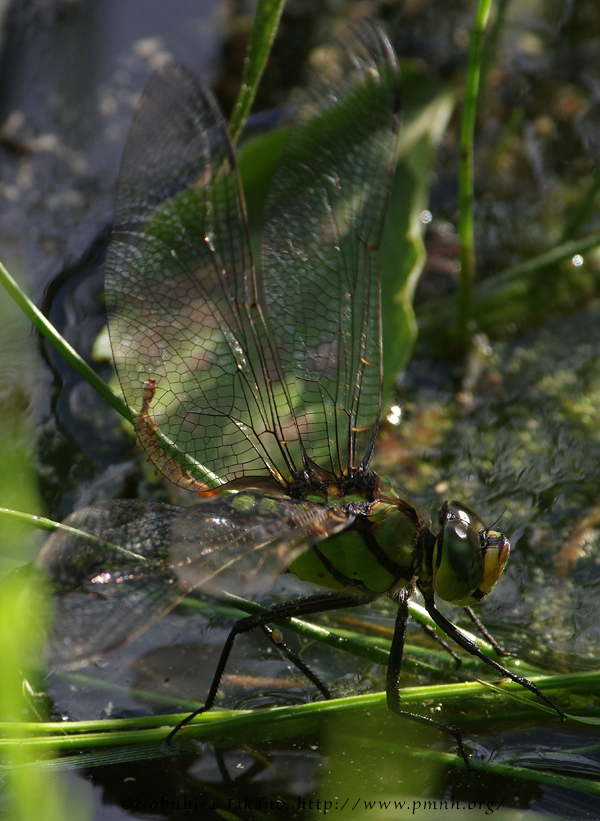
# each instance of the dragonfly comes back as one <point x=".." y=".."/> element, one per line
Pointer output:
<point x="259" y="388"/>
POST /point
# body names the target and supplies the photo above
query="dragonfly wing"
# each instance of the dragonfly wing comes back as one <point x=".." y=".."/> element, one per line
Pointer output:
<point x="143" y="557"/>
<point x="324" y="222"/>
<point x="184" y="315"/>
<point x="104" y="596"/>
<point x="90" y="623"/>
<point x="242" y="543"/>
<point x="180" y="292"/>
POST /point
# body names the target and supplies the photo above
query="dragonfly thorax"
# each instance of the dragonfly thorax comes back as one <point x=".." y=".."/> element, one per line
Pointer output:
<point x="378" y="553"/>
<point x="320" y="485"/>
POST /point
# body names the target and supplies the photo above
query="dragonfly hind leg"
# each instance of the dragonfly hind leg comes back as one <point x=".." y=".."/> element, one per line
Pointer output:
<point x="277" y="639"/>
<point x="309" y="605"/>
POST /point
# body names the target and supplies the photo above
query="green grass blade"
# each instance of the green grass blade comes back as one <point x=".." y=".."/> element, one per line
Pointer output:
<point x="466" y="173"/>
<point x="583" y="210"/>
<point x="141" y="738"/>
<point x="513" y="298"/>
<point x="68" y="353"/>
<point x="264" y="29"/>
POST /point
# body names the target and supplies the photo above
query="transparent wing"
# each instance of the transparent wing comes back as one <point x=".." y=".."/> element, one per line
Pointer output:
<point x="239" y="399"/>
<point x="104" y="596"/>
<point x="180" y="292"/>
<point x="143" y="557"/>
<point x="324" y="223"/>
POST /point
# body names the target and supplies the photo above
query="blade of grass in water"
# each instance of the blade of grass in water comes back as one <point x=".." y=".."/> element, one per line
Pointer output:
<point x="68" y="353"/>
<point x="465" y="191"/>
<point x="279" y="722"/>
<point x="144" y="751"/>
<point x="126" y="730"/>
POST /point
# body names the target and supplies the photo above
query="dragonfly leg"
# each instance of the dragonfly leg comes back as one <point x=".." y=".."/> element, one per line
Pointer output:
<point x="319" y="603"/>
<point x="401" y="598"/>
<point x="470" y="646"/>
<point x="484" y="631"/>
<point x="436" y="637"/>
<point x="277" y="639"/>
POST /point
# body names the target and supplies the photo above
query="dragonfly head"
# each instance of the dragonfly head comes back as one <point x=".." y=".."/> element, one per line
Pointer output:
<point x="468" y="558"/>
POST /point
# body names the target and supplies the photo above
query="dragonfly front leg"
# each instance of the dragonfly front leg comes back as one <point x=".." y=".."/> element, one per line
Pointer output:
<point x="307" y="606"/>
<point x="401" y="598"/>
<point x="459" y="637"/>
<point x="484" y="631"/>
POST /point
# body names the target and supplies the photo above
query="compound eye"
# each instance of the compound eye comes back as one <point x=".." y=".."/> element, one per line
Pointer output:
<point x="458" y="562"/>
<point x="458" y="510"/>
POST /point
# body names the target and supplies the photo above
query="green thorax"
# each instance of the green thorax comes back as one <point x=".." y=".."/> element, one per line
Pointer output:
<point x="379" y="553"/>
